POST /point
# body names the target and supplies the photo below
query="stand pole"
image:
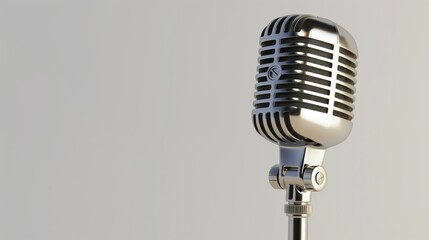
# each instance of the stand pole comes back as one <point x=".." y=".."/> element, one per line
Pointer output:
<point x="297" y="228"/>
<point x="298" y="209"/>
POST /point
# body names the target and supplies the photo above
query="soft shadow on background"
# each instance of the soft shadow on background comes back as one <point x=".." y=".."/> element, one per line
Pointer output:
<point x="131" y="120"/>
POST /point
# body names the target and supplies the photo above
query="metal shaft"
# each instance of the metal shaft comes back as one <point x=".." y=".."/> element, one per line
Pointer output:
<point x="297" y="228"/>
<point x="298" y="209"/>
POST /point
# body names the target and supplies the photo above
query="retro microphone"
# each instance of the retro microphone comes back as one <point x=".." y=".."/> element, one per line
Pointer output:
<point x="304" y="103"/>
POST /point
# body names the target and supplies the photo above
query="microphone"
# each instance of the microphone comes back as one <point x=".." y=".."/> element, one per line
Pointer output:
<point x="304" y="103"/>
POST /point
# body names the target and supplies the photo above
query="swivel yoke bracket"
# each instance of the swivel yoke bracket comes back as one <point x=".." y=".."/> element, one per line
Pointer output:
<point x="301" y="167"/>
<point x="300" y="173"/>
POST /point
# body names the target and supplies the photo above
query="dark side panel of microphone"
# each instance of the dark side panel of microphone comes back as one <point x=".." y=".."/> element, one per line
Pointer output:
<point x="305" y="82"/>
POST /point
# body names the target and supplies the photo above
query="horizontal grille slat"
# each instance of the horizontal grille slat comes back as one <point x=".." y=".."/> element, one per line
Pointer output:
<point x="266" y="60"/>
<point x="344" y="88"/>
<point x="266" y="48"/>
<point x="293" y="95"/>
<point x="348" y="67"/>
<point x="295" y="58"/>
<point x="346" y="71"/>
<point x="306" y="40"/>
<point x="262" y="69"/>
<point x="343" y="106"/>
<point x="342" y="115"/>
<point x="303" y="49"/>
<point x="262" y="96"/>
<point x="347" y="53"/>
<point x="305" y="68"/>
<point x="347" y="62"/>
<point x="261" y="77"/>
<point x="344" y="97"/>
<point x="301" y="76"/>
<point x="299" y="104"/>
<point x="353" y="63"/>
<point x="302" y="86"/>
<point x="267" y="52"/>
<point x="345" y="79"/>
<point x="263" y="87"/>
<point x="268" y="43"/>
<point x="264" y="66"/>
<point x="262" y="105"/>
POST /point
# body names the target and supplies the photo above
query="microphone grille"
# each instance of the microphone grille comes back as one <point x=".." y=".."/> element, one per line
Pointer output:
<point x="306" y="65"/>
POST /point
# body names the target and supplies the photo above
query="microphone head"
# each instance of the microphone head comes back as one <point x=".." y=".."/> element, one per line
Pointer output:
<point x="305" y="82"/>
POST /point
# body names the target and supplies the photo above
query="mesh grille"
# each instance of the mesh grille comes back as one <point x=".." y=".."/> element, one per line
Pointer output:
<point x="305" y="72"/>
<point x="297" y="72"/>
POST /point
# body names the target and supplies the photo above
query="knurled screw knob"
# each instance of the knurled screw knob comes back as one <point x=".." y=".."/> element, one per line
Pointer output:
<point x="314" y="178"/>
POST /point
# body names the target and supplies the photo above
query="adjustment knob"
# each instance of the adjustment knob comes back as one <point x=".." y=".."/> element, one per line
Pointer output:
<point x="273" y="177"/>
<point x="314" y="178"/>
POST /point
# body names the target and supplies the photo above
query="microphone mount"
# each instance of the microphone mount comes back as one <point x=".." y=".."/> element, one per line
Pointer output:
<point x="300" y="173"/>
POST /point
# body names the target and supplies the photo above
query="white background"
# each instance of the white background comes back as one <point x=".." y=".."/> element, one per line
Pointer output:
<point x="131" y="120"/>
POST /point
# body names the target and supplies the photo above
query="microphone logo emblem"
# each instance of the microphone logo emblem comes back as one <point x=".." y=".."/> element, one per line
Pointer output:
<point x="274" y="72"/>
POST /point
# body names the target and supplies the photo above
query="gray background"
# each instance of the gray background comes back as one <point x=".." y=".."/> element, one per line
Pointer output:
<point x="131" y="120"/>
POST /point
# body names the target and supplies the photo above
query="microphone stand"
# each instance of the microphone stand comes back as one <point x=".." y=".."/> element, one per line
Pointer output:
<point x="300" y="173"/>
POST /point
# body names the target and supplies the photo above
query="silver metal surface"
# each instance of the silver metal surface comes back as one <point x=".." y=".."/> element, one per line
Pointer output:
<point x="298" y="228"/>
<point x="305" y="82"/>
<point x="314" y="178"/>
<point x="304" y="103"/>
<point x="298" y="166"/>
<point x="274" y="177"/>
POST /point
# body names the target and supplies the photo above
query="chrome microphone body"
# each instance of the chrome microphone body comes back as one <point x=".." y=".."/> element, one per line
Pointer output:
<point x="304" y="103"/>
